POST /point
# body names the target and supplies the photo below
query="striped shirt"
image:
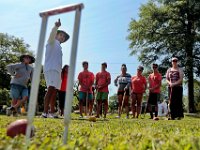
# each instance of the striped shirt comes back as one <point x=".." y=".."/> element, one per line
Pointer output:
<point x="123" y="81"/>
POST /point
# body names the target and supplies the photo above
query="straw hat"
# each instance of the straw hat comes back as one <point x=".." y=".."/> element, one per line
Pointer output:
<point x="27" y="55"/>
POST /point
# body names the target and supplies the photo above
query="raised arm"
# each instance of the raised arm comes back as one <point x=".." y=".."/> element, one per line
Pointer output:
<point x="54" y="31"/>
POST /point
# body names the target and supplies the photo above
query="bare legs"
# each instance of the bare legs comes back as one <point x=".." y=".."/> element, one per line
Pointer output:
<point x="125" y="104"/>
<point x="136" y="99"/>
<point x="99" y="107"/>
<point x="50" y="99"/>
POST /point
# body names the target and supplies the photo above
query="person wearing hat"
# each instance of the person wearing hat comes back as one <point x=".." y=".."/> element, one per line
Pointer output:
<point x="103" y="79"/>
<point x="86" y="80"/>
<point x="123" y="82"/>
<point x="138" y="87"/>
<point x="154" y="79"/>
<point x="53" y="68"/>
<point x="21" y="75"/>
<point x="174" y="77"/>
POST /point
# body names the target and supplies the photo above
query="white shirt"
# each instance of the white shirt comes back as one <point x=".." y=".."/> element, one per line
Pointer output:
<point x="53" y="54"/>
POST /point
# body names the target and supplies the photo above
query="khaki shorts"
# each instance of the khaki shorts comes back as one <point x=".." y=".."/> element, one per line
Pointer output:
<point x="53" y="78"/>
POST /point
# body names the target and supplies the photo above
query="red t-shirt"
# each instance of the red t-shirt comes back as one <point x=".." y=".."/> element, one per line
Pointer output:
<point x="64" y="82"/>
<point x="138" y="84"/>
<point x="102" y="78"/>
<point x="154" y="80"/>
<point x="86" y="78"/>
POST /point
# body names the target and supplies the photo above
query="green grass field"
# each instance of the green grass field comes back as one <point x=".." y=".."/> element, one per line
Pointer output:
<point x="108" y="134"/>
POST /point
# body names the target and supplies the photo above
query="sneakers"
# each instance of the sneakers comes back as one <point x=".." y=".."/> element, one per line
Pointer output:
<point x="11" y="111"/>
<point x="44" y="115"/>
<point x="8" y="112"/>
<point x="50" y="115"/>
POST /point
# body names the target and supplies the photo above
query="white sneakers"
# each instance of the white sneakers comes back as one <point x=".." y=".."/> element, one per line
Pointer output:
<point x="49" y="115"/>
<point x="52" y="115"/>
<point x="44" y="115"/>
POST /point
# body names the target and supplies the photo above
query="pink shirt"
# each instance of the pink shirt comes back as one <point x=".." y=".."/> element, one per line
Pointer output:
<point x="155" y="80"/>
<point x="102" y="78"/>
<point x="86" y="78"/>
<point x="138" y="84"/>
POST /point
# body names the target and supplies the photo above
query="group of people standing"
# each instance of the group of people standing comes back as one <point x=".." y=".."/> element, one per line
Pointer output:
<point x="128" y="86"/>
<point x="137" y="85"/>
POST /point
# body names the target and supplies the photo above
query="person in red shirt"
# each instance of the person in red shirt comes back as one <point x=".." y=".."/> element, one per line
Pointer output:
<point x="86" y="80"/>
<point x="138" y="87"/>
<point x="103" y="79"/>
<point x="154" y="79"/>
<point x="62" y="91"/>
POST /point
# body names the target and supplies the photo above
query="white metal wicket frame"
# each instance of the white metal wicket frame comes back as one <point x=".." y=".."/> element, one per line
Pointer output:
<point x="38" y="66"/>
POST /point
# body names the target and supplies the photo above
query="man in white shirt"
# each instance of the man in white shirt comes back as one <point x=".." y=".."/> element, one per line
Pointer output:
<point x="53" y="67"/>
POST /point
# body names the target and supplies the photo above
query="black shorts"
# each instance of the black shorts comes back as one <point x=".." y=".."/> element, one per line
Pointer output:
<point x="122" y="93"/>
<point x="153" y="98"/>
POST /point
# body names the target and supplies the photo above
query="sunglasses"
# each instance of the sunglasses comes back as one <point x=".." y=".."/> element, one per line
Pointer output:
<point x="174" y="60"/>
<point x="155" y="67"/>
<point x="139" y="70"/>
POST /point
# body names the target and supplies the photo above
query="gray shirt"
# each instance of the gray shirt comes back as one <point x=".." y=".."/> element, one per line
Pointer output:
<point x="21" y="73"/>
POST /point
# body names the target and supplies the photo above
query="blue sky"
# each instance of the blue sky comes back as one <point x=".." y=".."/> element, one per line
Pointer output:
<point x="103" y="31"/>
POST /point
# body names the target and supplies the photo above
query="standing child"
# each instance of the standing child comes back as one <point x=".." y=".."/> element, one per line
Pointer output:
<point x="21" y="74"/>
<point x="86" y="80"/>
<point x="62" y="91"/>
<point x="102" y="81"/>
<point x="52" y="68"/>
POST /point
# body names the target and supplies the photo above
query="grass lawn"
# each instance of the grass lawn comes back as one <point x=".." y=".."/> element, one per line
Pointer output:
<point x="111" y="134"/>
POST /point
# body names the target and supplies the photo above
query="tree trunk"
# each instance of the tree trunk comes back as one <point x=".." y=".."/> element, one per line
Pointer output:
<point x="191" y="108"/>
<point x="189" y="62"/>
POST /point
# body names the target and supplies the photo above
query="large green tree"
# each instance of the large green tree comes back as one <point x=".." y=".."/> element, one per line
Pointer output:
<point x="168" y="28"/>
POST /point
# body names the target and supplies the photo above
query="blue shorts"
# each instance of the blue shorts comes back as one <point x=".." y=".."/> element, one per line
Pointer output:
<point x="18" y="91"/>
<point x="83" y="95"/>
